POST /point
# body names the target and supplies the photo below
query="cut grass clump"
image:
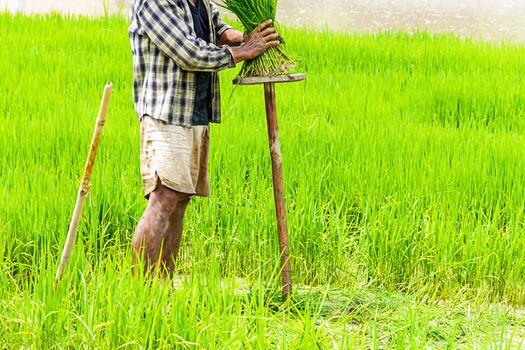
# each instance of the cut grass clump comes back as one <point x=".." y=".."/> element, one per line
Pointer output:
<point x="251" y="13"/>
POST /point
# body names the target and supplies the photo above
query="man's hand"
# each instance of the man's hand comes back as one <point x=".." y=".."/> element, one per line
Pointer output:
<point x="257" y="42"/>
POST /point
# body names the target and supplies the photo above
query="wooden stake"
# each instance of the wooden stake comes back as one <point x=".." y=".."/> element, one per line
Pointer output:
<point x="277" y="167"/>
<point x="278" y="187"/>
<point x="85" y="182"/>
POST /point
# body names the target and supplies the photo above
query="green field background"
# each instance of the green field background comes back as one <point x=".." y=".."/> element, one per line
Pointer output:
<point x="404" y="170"/>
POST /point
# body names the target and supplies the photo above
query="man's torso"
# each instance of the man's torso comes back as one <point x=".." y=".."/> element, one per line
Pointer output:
<point x="162" y="89"/>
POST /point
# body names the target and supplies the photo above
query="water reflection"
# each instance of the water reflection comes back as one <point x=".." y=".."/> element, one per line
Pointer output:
<point x="488" y="19"/>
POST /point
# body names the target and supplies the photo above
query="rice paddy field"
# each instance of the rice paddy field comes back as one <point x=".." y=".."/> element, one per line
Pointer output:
<point x="404" y="171"/>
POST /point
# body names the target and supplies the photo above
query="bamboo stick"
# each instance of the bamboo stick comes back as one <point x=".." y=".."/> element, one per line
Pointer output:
<point x="85" y="182"/>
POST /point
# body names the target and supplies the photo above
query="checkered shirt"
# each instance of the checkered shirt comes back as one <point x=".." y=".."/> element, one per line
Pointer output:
<point x="166" y="55"/>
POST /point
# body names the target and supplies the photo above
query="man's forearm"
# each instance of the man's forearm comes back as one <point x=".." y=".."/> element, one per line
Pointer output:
<point x="239" y="54"/>
<point x="231" y="37"/>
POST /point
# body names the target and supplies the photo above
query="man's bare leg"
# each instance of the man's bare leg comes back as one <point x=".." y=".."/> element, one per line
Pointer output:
<point x="158" y="233"/>
<point x="172" y="243"/>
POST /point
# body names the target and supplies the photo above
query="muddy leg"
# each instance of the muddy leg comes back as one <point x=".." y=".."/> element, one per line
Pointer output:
<point x="173" y="239"/>
<point x="157" y="235"/>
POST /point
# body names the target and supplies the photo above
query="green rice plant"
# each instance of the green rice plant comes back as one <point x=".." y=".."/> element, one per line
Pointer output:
<point x="404" y="179"/>
<point x="251" y="13"/>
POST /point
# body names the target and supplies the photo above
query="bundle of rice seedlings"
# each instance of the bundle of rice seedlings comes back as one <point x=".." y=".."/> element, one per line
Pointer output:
<point x="251" y="13"/>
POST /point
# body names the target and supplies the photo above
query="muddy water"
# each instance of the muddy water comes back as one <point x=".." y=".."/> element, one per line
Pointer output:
<point x="488" y="19"/>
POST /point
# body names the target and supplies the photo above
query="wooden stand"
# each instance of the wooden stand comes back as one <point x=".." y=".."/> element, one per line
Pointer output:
<point x="277" y="169"/>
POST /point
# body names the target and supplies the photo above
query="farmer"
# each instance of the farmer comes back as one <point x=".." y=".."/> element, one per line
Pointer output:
<point x="178" y="47"/>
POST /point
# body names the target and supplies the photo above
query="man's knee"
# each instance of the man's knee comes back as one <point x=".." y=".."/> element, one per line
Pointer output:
<point x="169" y="200"/>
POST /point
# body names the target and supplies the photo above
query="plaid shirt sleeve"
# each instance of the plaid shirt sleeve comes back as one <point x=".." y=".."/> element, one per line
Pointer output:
<point x="163" y="24"/>
<point x="220" y="25"/>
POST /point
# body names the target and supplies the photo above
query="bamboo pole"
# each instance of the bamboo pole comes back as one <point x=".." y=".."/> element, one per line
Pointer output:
<point x="85" y="182"/>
